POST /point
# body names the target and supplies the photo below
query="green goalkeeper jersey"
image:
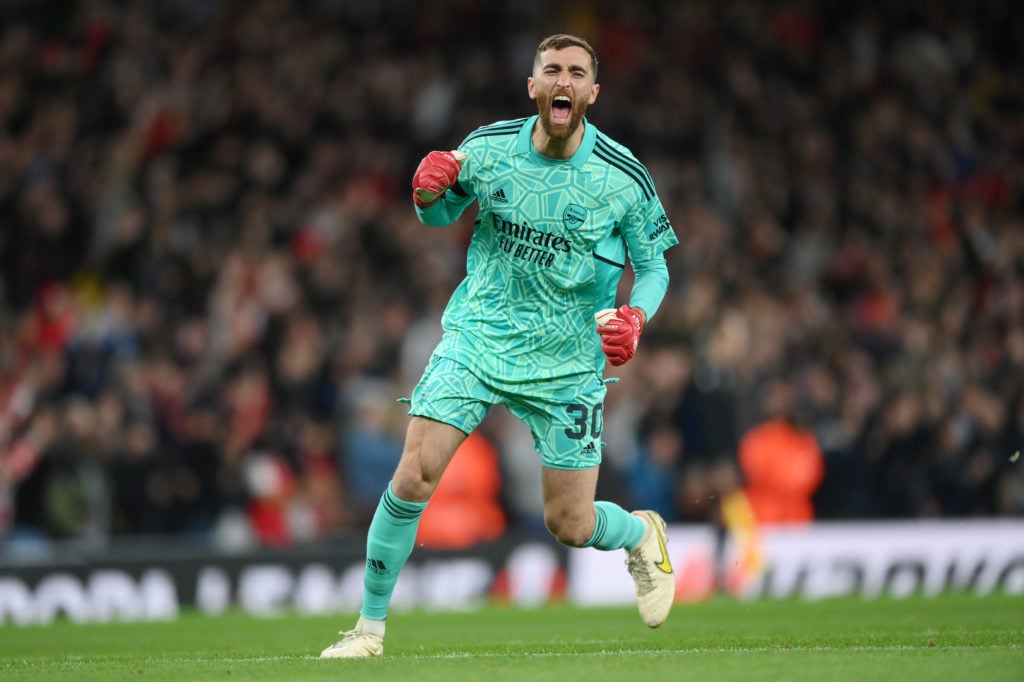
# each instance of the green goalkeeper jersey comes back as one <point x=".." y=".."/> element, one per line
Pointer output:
<point x="550" y="244"/>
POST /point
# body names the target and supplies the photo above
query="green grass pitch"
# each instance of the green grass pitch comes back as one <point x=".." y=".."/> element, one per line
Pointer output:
<point x="979" y="639"/>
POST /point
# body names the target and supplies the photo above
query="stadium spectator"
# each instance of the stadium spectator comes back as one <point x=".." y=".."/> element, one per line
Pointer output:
<point x="371" y="445"/>
<point x="653" y="475"/>
<point x="781" y="461"/>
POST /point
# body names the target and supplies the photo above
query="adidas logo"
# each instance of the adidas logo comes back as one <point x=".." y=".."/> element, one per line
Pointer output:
<point x="499" y="197"/>
<point x="589" y="449"/>
<point x="377" y="566"/>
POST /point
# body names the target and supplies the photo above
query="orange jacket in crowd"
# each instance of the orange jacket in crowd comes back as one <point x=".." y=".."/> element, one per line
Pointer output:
<point x="782" y="466"/>
<point x="466" y="507"/>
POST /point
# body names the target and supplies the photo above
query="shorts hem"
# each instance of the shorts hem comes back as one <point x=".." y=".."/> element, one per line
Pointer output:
<point x="432" y="418"/>
<point x="568" y="467"/>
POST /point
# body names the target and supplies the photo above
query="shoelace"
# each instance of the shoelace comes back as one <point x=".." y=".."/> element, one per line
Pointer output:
<point x="641" y="573"/>
<point x="351" y="634"/>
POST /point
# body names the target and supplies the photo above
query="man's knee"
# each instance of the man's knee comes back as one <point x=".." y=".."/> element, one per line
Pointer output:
<point x="412" y="481"/>
<point x="570" y="528"/>
<point x="412" y="485"/>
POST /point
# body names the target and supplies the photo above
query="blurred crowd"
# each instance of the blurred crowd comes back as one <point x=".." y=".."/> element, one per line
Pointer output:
<point x="215" y="290"/>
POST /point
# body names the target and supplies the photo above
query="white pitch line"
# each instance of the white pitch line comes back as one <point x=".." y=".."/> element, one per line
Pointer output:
<point x="716" y="651"/>
<point x="456" y="655"/>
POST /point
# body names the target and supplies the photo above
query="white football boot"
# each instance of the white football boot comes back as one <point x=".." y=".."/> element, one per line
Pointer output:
<point x="651" y="569"/>
<point x="365" y="640"/>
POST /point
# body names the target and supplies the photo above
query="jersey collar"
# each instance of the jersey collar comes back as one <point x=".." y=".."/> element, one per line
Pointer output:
<point x="524" y="144"/>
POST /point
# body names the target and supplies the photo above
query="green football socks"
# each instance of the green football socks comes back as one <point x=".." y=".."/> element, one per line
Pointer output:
<point x="389" y="543"/>
<point x="392" y="537"/>
<point x="614" y="528"/>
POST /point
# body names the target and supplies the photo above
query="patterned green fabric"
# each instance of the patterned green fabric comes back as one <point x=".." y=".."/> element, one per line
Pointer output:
<point x="549" y="247"/>
<point x="564" y="414"/>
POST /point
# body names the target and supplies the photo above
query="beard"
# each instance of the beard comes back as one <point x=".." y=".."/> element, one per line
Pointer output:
<point x="560" y="131"/>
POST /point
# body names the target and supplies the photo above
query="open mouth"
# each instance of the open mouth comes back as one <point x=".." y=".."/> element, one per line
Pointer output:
<point x="561" y="109"/>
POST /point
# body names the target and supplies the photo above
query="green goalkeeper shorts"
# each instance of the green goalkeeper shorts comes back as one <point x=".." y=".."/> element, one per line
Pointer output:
<point x="565" y="415"/>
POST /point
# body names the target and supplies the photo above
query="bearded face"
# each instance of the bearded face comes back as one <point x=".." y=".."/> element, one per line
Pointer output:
<point x="563" y="87"/>
<point x="560" y="114"/>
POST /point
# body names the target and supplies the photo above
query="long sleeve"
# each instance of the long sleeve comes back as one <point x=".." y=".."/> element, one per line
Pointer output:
<point x="650" y="285"/>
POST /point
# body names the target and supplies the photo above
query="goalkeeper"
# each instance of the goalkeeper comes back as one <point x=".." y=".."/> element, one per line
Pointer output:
<point x="561" y="208"/>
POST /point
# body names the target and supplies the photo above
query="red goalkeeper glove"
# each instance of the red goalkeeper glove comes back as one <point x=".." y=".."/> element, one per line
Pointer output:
<point x="620" y="333"/>
<point x="436" y="173"/>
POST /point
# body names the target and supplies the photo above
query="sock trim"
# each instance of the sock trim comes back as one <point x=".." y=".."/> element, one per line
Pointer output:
<point x="399" y="509"/>
<point x="600" y="526"/>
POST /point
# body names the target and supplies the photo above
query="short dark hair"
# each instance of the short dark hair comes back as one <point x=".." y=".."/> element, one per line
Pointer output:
<point x="560" y="41"/>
